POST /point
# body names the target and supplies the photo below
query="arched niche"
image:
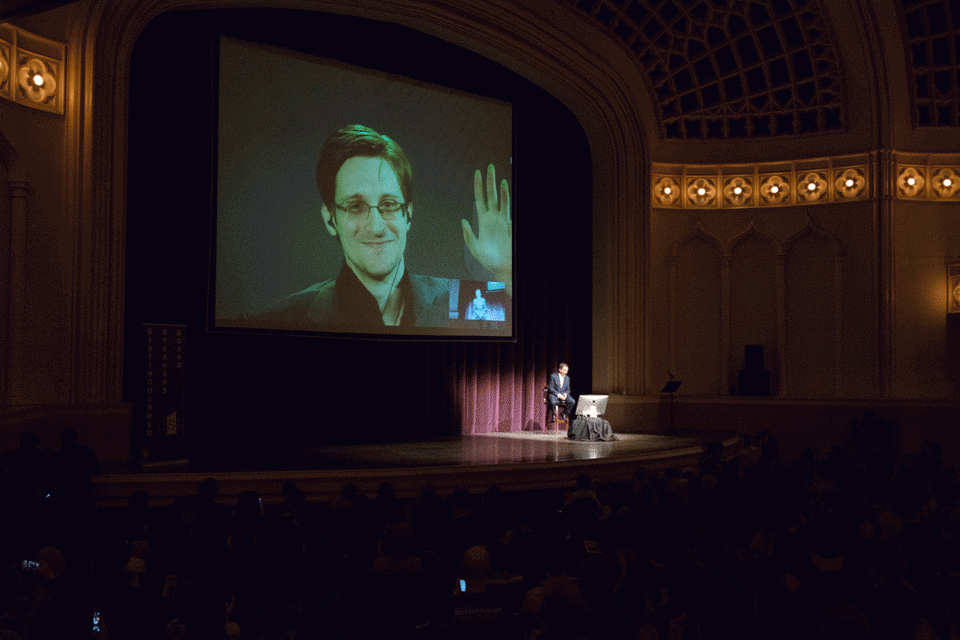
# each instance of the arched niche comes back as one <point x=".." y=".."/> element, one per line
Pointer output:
<point x="698" y="294"/>
<point x="813" y="320"/>
<point x="756" y="309"/>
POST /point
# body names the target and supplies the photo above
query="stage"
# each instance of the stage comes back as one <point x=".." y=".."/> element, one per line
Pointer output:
<point x="513" y="461"/>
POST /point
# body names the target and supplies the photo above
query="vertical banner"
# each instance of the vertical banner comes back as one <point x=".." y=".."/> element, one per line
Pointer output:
<point x="162" y="432"/>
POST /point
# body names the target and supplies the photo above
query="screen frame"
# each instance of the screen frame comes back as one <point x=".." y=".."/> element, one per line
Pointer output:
<point x="461" y="330"/>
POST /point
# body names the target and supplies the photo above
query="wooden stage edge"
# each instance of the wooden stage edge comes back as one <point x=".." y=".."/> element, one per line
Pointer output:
<point x="512" y="461"/>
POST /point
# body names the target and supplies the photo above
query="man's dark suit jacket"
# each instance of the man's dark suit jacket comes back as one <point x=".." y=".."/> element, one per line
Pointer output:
<point x="556" y="388"/>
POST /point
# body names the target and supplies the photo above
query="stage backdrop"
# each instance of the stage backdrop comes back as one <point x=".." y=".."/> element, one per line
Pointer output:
<point x="255" y="392"/>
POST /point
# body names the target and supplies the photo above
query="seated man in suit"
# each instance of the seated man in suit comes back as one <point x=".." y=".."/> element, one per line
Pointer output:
<point x="558" y="392"/>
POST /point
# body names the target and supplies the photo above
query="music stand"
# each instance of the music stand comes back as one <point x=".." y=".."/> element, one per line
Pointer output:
<point x="670" y="388"/>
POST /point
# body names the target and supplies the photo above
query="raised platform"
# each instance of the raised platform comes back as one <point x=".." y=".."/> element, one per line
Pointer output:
<point x="512" y="461"/>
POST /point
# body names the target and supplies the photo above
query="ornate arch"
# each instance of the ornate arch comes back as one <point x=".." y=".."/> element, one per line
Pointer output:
<point x="698" y="234"/>
<point x="755" y="233"/>
<point x="598" y="83"/>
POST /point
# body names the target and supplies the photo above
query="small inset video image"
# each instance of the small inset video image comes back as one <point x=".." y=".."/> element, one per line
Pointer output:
<point x="483" y="301"/>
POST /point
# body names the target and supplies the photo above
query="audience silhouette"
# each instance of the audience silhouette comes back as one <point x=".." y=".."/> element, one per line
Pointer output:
<point x="850" y="543"/>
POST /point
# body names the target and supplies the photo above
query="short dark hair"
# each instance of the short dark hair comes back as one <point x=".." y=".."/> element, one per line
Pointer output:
<point x="357" y="140"/>
<point x="29" y="439"/>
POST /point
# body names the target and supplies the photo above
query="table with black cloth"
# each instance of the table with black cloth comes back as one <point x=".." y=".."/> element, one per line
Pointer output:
<point x="584" y="428"/>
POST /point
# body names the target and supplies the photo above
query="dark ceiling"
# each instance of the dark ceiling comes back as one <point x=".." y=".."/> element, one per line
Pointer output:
<point x="732" y="69"/>
<point x="932" y="37"/>
<point x="728" y="69"/>
<point x="10" y="9"/>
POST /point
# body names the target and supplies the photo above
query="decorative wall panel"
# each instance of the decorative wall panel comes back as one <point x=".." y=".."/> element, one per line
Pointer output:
<point x="933" y="177"/>
<point x="927" y="177"/>
<point x="814" y="181"/>
<point x="32" y="69"/>
<point x="756" y="289"/>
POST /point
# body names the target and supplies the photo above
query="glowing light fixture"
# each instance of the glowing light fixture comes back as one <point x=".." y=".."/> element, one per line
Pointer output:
<point x="701" y="191"/>
<point x="666" y="191"/>
<point x="738" y="191"/>
<point x="945" y="183"/>
<point x="953" y="287"/>
<point x="32" y="69"/>
<point x="812" y="186"/>
<point x="911" y="182"/>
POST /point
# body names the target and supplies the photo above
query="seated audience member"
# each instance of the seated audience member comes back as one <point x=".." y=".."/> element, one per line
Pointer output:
<point x="201" y="614"/>
<point x="24" y="473"/>
<point x="556" y="606"/>
<point x="398" y="581"/>
<point x="74" y="466"/>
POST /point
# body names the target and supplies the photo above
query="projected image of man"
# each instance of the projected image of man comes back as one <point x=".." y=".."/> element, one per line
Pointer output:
<point x="366" y="185"/>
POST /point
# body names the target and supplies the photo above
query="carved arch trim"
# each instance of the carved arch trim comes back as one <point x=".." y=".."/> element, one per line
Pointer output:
<point x="701" y="234"/>
<point x="810" y="229"/>
<point x="599" y="84"/>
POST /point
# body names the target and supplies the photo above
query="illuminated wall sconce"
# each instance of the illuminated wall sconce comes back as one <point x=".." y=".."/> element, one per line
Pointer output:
<point x="4" y="63"/>
<point x="666" y="190"/>
<point x="851" y="183"/>
<point x="812" y="186"/>
<point x="952" y="334"/>
<point x="953" y="287"/>
<point x="911" y="182"/>
<point x="701" y="191"/>
<point x="31" y="69"/>
<point x="946" y="183"/>
<point x="774" y="189"/>
<point x="738" y="192"/>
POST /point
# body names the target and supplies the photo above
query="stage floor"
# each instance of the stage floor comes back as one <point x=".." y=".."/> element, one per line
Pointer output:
<point x="513" y="461"/>
<point x="474" y="451"/>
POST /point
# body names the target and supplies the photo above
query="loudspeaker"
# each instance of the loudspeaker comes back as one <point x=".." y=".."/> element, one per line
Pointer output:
<point x="753" y="379"/>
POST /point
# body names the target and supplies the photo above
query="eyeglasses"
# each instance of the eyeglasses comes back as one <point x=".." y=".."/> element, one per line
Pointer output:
<point x="358" y="209"/>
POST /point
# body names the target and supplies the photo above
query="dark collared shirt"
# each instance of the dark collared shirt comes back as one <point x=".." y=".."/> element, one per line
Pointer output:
<point x="345" y="304"/>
